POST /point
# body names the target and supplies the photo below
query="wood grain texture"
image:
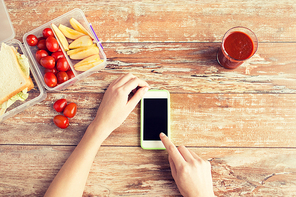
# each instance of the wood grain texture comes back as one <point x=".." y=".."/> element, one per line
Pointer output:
<point x="193" y="68"/>
<point x="207" y="120"/>
<point x="132" y="171"/>
<point x="165" y="21"/>
<point x="242" y="120"/>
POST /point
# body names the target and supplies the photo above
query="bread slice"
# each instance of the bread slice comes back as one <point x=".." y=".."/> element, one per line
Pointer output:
<point x="12" y="78"/>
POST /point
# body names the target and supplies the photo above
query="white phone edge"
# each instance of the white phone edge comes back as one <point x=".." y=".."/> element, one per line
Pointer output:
<point x="154" y="144"/>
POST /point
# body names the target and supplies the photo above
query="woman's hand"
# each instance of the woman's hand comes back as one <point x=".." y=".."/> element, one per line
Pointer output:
<point x="191" y="173"/>
<point x="116" y="105"/>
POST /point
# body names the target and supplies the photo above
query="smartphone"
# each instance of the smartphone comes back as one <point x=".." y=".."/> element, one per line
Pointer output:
<point x="155" y="118"/>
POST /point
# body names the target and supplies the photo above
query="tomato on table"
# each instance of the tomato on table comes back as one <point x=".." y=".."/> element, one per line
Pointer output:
<point x="50" y="79"/>
<point x="61" y="121"/>
<point x="70" y="110"/>
<point x="32" y="40"/>
<point x="60" y="105"/>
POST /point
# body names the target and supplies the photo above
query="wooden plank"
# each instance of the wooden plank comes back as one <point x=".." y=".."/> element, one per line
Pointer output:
<point x="165" y="21"/>
<point x="230" y="120"/>
<point x="192" y="68"/>
<point x="118" y="171"/>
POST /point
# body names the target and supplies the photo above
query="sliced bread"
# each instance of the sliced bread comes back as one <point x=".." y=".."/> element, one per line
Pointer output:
<point x="12" y="78"/>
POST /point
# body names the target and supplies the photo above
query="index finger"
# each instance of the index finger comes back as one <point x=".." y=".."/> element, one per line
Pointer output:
<point x="123" y="79"/>
<point x="172" y="150"/>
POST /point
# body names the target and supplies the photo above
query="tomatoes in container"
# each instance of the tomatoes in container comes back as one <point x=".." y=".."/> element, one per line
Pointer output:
<point x="47" y="62"/>
<point x="32" y="40"/>
<point x="70" y="74"/>
<point x="60" y="105"/>
<point x="50" y="79"/>
<point x="62" y="64"/>
<point x="70" y="110"/>
<point x="47" y="32"/>
<point x="62" y="77"/>
<point x="61" y="121"/>
<point x="40" y="54"/>
<point x="57" y="55"/>
<point x="41" y="44"/>
<point x="52" y="44"/>
<point x="51" y="70"/>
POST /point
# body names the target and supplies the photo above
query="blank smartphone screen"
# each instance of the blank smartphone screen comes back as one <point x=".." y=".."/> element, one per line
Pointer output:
<point x="155" y="118"/>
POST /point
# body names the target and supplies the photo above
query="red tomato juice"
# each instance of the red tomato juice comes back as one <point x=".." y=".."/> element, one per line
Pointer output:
<point x="238" y="46"/>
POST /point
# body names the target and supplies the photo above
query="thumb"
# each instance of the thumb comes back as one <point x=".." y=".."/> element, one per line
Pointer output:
<point x="137" y="97"/>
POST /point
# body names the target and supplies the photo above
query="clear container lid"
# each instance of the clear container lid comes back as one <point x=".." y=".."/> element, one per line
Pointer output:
<point x="38" y="93"/>
<point x="5" y="24"/>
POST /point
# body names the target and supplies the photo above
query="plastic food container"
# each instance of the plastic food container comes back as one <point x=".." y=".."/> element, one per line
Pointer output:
<point x="38" y="93"/>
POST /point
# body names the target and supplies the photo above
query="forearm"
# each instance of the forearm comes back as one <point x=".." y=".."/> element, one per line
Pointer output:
<point x="71" y="179"/>
<point x="113" y="110"/>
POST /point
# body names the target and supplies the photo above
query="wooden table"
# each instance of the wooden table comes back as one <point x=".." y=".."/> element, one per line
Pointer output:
<point x="243" y="121"/>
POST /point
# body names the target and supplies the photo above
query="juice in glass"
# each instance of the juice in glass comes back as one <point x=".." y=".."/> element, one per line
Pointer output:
<point x="238" y="45"/>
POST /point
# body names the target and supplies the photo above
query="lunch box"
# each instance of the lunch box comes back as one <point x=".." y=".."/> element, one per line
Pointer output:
<point x="38" y="93"/>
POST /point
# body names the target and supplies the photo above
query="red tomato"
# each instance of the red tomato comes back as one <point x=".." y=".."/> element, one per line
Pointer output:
<point x="52" y="44"/>
<point x="62" y="77"/>
<point x="47" y="62"/>
<point x="51" y="70"/>
<point x="41" y="44"/>
<point x="32" y="40"/>
<point x="70" y="74"/>
<point x="57" y="55"/>
<point x="50" y="79"/>
<point x="62" y="64"/>
<point x="61" y="121"/>
<point x="40" y="54"/>
<point x="70" y="110"/>
<point x="47" y="32"/>
<point x="60" y="105"/>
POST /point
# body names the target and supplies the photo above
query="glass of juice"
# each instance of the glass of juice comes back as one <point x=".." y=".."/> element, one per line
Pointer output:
<point x="238" y="45"/>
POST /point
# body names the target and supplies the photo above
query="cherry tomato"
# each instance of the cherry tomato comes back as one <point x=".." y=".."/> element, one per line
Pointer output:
<point x="50" y="79"/>
<point x="70" y="110"/>
<point x="41" y="44"/>
<point x="62" y="64"/>
<point x="70" y="74"/>
<point x="57" y="55"/>
<point x="47" y="62"/>
<point x="40" y="54"/>
<point x="47" y="32"/>
<point x="60" y="105"/>
<point x="32" y="40"/>
<point x="61" y="121"/>
<point x="51" y="70"/>
<point x="52" y="44"/>
<point x="62" y="77"/>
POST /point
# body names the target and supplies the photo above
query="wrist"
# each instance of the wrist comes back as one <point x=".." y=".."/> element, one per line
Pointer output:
<point x="98" y="131"/>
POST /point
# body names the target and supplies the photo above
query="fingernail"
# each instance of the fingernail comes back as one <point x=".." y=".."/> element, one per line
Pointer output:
<point x="162" y="134"/>
<point x="146" y="89"/>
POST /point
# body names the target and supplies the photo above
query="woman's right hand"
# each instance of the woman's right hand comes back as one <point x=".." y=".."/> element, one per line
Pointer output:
<point x="116" y="104"/>
<point x="191" y="173"/>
